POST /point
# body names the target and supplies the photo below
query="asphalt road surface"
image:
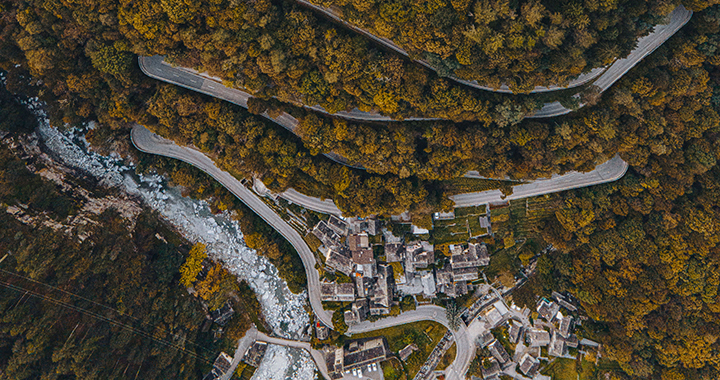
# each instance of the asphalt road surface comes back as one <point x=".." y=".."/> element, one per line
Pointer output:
<point x="645" y="46"/>
<point x="149" y="142"/>
<point x="580" y="80"/>
<point x="465" y="344"/>
<point x="609" y="171"/>
<point x="156" y="68"/>
<point x="250" y="337"/>
<point x="612" y="74"/>
<point x="325" y="206"/>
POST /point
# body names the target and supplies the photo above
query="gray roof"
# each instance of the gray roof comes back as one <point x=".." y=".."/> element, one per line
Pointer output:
<point x="498" y="351"/>
<point x="339" y="262"/>
<point x="538" y="338"/>
<point x="528" y="365"/>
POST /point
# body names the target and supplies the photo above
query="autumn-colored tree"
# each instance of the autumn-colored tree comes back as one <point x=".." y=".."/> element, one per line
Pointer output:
<point x="193" y="264"/>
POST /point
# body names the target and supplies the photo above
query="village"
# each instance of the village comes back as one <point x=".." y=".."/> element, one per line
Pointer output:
<point x="401" y="269"/>
<point x="380" y="282"/>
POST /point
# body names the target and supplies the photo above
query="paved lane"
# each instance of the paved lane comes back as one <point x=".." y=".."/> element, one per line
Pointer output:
<point x="645" y="46"/>
<point x="149" y="142"/>
<point x="677" y="19"/>
<point x="465" y="345"/>
<point x="609" y="171"/>
<point x="156" y="68"/>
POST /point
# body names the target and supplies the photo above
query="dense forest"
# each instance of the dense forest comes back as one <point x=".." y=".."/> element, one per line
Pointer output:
<point x="522" y="44"/>
<point x="85" y="61"/>
<point x="644" y="263"/>
<point x="93" y="285"/>
<point x="90" y="296"/>
<point x="641" y="254"/>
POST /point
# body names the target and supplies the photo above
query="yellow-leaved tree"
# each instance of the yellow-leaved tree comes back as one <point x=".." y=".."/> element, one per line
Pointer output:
<point x="193" y="264"/>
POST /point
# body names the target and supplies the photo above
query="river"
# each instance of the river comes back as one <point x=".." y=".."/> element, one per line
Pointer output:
<point x="284" y="311"/>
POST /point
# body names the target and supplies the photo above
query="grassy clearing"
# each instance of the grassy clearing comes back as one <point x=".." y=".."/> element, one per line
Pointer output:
<point x="393" y="369"/>
<point x="587" y="370"/>
<point x="561" y="369"/>
<point x="448" y="358"/>
<point x="425" y="334"/>
<point x="470" y="211"/>
<point x="469" y="185"/>
<point x="501" y="262"/>
<point x="243" y="372"/>
<point x="312" y="241"/>
<point x="522" y="216"/>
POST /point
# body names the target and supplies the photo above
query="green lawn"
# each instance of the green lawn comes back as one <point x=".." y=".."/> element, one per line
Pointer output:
<point x="393" y="369"/>
<point x="561" y="369"/>
<point x="470" y="211"/>
<point x="587" y="370"/>
<point x="243" y="372"/>
<point x="425" y="334"/>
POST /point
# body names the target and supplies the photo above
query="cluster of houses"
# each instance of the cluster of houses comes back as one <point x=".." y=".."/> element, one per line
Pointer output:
<point x="347" y="249"/>
<point x="409" y="268"/>
<point x="550" y="335"/>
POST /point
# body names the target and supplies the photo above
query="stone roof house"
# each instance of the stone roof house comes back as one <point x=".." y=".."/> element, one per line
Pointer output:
<point x="338" y="225"/>
<point x="382" y="295"/>
<point x="557" y="345"/>
<point x="515" y="332"/>
<point x="364" y="262"/>
<point x="465" y="259"/>
<point x="394" y="252"/>
<point x="358" y="241"/>
<point x="330" y="291"/>
<point x="498" y="351"/>
<point x="528" y="365"/>
<point x="339" y="261"/>
<point x="358" y="312"/>
<point x="327" y="235"/>
<point x="492" y="370"/>
<point x="538" y="338"/>
<point x="481" y="251"/>
<point x="565" y="326"/>
<point x="548" y="309"/>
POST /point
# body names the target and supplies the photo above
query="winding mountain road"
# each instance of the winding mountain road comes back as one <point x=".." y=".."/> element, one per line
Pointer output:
<point x="465" y="344"/>
<point x="149" y="142"/>
<point x="609" y="171"/>
<point x="156" y="68"/>
<point x="579" y="81"/>
<point x="645" y="46"/>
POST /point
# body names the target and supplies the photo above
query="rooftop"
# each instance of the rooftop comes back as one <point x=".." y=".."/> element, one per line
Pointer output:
<point x="363" y="256"/>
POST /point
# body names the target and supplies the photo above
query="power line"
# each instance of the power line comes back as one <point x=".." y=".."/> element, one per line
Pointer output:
<point x="32" y="293"/>
<point x="98" y="304"/>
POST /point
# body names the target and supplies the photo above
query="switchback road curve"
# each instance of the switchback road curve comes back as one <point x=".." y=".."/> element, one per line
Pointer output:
<point x="149" y="142"/>
<point x="645" y="46"/>
<point x="155" y="67"/>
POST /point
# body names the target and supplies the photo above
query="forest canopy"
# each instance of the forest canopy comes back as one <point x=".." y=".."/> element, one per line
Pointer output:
<point x="519" y="43"/>
<point x="640" y="254"/>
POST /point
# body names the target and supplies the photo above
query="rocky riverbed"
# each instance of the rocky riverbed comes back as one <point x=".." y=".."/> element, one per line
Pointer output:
<point x="284" y="311"/>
